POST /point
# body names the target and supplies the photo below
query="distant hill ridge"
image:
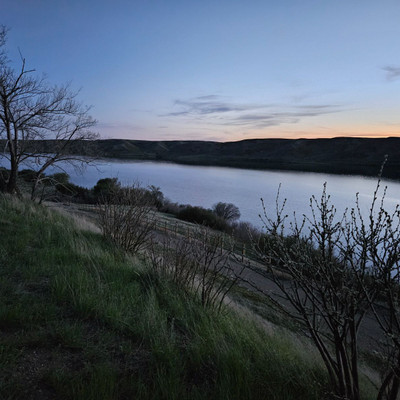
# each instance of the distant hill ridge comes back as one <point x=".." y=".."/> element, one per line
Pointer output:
<point x="342" y="155"/>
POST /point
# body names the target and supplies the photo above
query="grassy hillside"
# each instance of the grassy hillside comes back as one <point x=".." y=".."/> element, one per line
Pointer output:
<point x="81" y="320"/>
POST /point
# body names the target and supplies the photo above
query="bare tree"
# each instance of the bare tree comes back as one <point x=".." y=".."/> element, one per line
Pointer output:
<point x="33" y="112"/>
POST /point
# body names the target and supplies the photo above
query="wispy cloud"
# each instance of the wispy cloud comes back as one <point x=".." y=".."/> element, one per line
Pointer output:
<point x="392" y="72"/>
<point x="210" y="104"/>
<point x="208" y="97"/>
<point x="214" y="109"/>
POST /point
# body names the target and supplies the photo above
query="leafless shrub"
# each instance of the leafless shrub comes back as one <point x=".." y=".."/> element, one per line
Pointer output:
<point x="127" y="218"/>
<point x="174" y="258"/>
<point x="200" y="264"/>
<point x="339" y="268"/>
<point x="327" y="290"/>
<point x="379" y="235"/>
<point x="216" y="275"/>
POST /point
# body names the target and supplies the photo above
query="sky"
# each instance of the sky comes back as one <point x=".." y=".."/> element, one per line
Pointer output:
<point x="219" y="70"/>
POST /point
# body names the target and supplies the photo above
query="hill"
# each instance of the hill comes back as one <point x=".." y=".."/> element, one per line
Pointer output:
<point x="338" y="155"/>
<point x="342" y="155"/>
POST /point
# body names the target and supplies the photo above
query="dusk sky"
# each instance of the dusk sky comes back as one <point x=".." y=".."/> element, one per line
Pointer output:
<point x="219" y="69"/>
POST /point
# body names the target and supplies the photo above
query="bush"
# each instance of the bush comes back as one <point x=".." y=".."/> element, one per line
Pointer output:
<point x="203" y="216"/>
<point x="245" y="232"/>
<point x="335" y="268"/>
<point x="60" y="178"/>
<point x="28" y="175"/>
<point x="76" y="193"/>
<point x="170" y="207"/>
<point x="127" y="218"/>
<point x="199" y="264"/>
<point x="227" y="211"/>
<point x="106" y="187"/>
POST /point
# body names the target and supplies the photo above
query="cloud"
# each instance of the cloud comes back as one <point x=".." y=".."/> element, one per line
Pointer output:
<point x="208" y="97"/>
<point x="215" y="110"/>
<point x="392" y="72"/>
<point x="205" y="105"/>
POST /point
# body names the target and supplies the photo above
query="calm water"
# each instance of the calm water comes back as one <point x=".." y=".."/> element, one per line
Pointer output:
<point x="205" y="186"/>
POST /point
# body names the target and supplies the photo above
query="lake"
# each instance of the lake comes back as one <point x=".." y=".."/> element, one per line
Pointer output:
<point x="205" y="186"/>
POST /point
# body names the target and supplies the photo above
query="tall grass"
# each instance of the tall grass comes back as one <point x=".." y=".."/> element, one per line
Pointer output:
<point x="81" y="320"/>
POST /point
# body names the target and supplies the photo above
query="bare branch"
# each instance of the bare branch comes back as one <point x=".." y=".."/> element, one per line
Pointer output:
<point x="34" y="113"/>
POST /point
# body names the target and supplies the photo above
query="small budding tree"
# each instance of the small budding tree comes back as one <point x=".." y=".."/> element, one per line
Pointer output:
<point x="336" y="268"/>
<point x="382" y="234"/>
<point x="39" y="122"/>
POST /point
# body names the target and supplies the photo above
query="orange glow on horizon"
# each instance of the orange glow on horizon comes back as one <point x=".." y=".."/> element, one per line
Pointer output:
<point x="323" y="133"/>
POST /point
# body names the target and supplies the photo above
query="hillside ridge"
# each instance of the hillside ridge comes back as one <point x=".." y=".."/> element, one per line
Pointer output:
<point x="340" y="155"/>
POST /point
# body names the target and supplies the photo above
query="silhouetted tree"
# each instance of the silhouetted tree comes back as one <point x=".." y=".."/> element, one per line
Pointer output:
<point x="31" y="112"/>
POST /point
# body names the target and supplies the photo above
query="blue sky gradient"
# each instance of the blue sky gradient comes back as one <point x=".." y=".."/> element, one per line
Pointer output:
<point x="219" y="70"/>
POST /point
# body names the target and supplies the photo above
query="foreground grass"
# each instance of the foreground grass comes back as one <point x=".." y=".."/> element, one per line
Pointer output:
<point x="80" y="320"/>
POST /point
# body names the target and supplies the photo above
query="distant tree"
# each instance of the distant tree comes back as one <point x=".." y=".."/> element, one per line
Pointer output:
<point x="32" y="112"/>
<point x="107" y="187"/>
<point x="227" y="211"/>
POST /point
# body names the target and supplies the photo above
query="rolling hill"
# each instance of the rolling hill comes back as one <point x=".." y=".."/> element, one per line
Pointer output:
<point x="338" y="155"/>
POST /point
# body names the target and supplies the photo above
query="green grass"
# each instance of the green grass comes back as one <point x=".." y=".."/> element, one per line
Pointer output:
<point x="81" y="320"/>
